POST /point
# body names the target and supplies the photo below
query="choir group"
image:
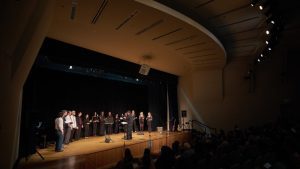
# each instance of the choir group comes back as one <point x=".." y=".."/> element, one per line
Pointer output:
<point x="69" y="126"/>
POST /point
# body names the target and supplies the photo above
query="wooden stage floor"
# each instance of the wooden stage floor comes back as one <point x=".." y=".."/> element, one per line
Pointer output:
<point x="94" y="152"/>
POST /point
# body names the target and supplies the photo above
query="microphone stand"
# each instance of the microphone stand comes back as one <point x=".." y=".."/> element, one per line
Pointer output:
<point x="124" y="136"/>
<point x="149" y="141"/>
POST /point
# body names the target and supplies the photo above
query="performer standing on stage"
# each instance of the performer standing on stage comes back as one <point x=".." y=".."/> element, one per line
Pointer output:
<point x="117" y="123"/>
<point x="68" y="123"/>
<point x="86" y="123"/>
<point x="149" y="121"/>
<point x="110" y="121"/>
<point x="95" y="120"/>
<point x="59" y="127"/>
<point x="124" y="118"/>
<point x="142" y="121"/>
<point x="79" y="126"/>
<point x="74" y="125"/>
<point x="102" y="123"/>
<point x="129" y="125"/>
<point x="134" y="121"/>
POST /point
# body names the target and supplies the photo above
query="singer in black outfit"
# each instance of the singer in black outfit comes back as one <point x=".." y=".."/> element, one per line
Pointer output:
<point x="135" y="129"/>
<point x="95" y="121"/>
<point x="109" y="121"/>
<point x="102" y="123"/>
<point x="86" y="123"/>
<point x="141" y="121"/>
<point x="117" y="123"/>
<point x="129" y="125"/>
<point x="149" y="121"/>
<point x="79" y="126"/>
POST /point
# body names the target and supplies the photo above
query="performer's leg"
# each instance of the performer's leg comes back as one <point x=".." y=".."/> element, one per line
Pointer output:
<point x="86" y="130"/>
<point x="94" y="129"/>
<point x="57" y="141"/>
<point x="68" y="134"/>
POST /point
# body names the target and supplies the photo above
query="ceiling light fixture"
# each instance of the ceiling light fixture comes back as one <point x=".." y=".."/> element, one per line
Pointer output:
<point x="267" y="42"/>
<point x="253" y="3"/>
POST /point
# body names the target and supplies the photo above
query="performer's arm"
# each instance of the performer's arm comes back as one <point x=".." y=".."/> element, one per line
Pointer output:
<point x="61" y="125"/>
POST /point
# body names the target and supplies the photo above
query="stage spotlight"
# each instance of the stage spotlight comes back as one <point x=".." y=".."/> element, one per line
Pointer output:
<point x="271" y="19"/>
<point x="267" y="32"/>
<point x="253" y="2"/>
<point x="267" y="42"/>
<point x="261" y="7"/>
<point x="137" y="79"/>
<point x="269" y="48"/>
<point x="261" y="55"/>
<point x="258" y="60"/>
<point x="71" y="67"/>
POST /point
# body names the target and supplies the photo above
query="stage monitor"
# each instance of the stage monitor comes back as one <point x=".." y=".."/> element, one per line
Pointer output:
<point x="183" y="113"/>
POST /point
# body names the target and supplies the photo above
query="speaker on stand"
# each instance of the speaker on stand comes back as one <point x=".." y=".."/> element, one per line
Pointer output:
<point x="183" y="115"/>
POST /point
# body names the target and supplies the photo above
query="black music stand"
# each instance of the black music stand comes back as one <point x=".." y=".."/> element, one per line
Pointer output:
<point x="107" y="137"/>
<point x="124" y="123"/>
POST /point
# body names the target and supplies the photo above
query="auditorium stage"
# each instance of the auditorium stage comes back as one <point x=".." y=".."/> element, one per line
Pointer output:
<point x="94" y="152"/>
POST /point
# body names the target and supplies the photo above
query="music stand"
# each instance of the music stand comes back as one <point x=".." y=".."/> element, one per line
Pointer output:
<point x="124" y="138"/>
<point x="107" y="137"/>
<point x="124" y="123"/>
<point x="149" y="140"/>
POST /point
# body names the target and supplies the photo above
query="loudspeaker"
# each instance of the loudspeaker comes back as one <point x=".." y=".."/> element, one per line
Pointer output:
<point x="160" y="129"/>
<point x="183" y="113"/>
<point x="144" y="70"/>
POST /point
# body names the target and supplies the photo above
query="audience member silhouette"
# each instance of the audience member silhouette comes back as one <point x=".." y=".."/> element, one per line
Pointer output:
<point x="166" y="160"/>
<point x="146" y="161"/>
<point x="127" y="162"/>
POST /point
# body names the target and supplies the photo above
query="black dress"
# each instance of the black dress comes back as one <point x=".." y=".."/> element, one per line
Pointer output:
<point x="109" y="121"/>
<point x="149" y="123"/>
<point x="134" y="124"/>
<point x="86" y="123"/>
<point x="142" y="122"/>
<point x="102" y="125"/>
<point x="116" y="124"/>
<point x="129" y="127"/>
<point x="95" y="121"/>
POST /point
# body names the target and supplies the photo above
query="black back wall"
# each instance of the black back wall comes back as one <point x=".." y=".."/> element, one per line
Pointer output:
<point x="49" y="91"/>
